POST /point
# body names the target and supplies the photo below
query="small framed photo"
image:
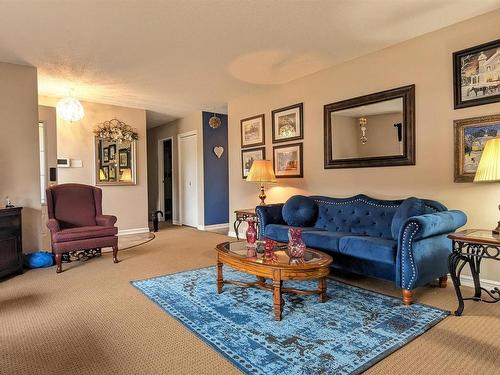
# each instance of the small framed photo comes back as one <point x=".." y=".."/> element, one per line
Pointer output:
<point x="123" y="159"/>
<point x="253" y="131"/>
<point x="105" y="155"/>
<point x="112" y="174"/>
<point x="288" y="161"/>
<point x="105" y="173"/>
<point x="476" y="75"/>
<point x="288" y="123"/>
<point x="249" y="156"/>
<point x="471" y="135"/>
<point x="112" y="152"/>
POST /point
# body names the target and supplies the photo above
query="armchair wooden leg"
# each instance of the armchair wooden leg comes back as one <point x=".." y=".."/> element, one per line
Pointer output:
<point x="443" y="281"/>
<point x="407" y="297"/>
<point x="58" y="263"/>
<point x="115" y="254"/>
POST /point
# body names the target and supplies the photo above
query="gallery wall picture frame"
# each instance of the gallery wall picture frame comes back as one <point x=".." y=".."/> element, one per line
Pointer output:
<point x="112" y="173"/>
<point x="288" y="161"/>
<point x="105" y="170"/>
<point x="253" y="132"/>
<point x="123" y="158"/>
<point x="112" y="152"/>
<point x="470" y="136"/>
<point x="288" y="123"/>
<point x="105" y="155"/>
<point x="476" y="75"/>
<point x="247" y="158"/>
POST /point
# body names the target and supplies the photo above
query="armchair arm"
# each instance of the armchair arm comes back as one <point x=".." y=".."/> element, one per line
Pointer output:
<point x="423" y="248"/>
<point x="269" y="214"/>
<point x="53" y="225"/>
<point x="105" y="220"/>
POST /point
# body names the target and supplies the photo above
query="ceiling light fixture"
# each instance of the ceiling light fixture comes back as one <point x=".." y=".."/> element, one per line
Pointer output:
<point x="70" y="109"/>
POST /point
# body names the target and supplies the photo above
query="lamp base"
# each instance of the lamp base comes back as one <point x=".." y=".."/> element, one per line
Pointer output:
<point x="262" y="196"/>
<point x="496" y="231"/>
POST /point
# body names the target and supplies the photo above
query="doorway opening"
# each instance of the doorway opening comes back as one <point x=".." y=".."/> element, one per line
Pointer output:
<point x="167" y="180"/>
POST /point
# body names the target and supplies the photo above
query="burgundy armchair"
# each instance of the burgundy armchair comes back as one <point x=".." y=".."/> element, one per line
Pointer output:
<point x="76" y="221"/>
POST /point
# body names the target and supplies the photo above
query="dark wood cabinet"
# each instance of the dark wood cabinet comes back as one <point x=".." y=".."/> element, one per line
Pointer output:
<point x="11" y="246"/>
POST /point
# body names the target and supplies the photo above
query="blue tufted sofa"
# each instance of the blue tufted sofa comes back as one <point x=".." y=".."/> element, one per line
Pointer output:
<point x="403" y="241"/>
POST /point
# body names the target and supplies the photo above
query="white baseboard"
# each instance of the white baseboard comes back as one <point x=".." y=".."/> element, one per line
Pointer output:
<point x="133" y="231"/>
<point x="213" y="227"/>
<point x="176" y="222"/>
<point x="466" y="280"/>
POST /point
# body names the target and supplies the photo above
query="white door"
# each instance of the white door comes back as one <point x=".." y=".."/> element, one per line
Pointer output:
<point x="188" y="180"/>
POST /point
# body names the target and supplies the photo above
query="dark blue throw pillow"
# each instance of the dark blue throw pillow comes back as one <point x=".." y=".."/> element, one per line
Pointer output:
<point x="410" y="207"/>
<point x="300" y="211"/>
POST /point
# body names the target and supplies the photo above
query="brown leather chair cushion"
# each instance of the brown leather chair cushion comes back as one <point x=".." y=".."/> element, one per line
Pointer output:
<point x="81" y="233"/>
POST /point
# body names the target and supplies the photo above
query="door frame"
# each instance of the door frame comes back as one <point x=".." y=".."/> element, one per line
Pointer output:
<point x="160" y="204"/>
<point x="179" y="163"/>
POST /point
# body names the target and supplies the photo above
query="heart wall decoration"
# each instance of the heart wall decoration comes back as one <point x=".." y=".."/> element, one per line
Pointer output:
<point x="218" y="151"/>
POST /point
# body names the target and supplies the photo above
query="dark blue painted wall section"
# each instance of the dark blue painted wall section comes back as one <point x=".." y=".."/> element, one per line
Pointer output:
<point x="216" y="172"/>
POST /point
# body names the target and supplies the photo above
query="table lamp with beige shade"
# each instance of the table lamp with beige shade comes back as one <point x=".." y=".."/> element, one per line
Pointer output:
<point x="489" y="168"/>
<point x="262" y="172"/>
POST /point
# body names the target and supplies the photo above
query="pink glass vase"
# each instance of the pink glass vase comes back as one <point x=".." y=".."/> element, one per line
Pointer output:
<point x="251" y="232"/>
<point x="269" y="255"/>
<point x="296" y="246"/>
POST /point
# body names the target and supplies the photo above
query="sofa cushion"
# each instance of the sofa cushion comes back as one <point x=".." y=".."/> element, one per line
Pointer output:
<point x="82" y="233"/>
<point x="410" y="207"/>
<point x="279" y="232"/>
<point x="300" y="211"/>
<point x="369" y="248"/>
<point x="324" y="240"/>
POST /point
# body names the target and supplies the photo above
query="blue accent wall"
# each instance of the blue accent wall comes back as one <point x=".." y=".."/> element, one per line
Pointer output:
<point x="215" y="171"/>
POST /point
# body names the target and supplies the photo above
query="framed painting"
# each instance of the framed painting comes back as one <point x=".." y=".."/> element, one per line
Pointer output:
<point x="104" y="175"/>
<point x="253" y="131"/>
<point x="288" y="161"/>
<point x="470" y="137"/>
<point x="249" y="156"/>
<point x="288" y="123"/>
<point x="476" y="75"/>
<point x="112" y="174"/>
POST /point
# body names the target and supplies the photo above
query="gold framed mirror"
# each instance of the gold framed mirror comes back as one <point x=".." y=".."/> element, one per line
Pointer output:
<point x="115" y="162"/>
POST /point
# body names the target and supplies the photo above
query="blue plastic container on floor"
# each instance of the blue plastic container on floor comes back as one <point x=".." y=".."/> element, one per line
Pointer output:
<point x="39" y="259"/>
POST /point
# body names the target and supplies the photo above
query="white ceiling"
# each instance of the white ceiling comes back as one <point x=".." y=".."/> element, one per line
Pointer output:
<point x="174" y="57"/>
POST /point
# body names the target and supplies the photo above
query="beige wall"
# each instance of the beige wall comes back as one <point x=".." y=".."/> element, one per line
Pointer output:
<point x="382" y="135"/>
<point x="76" y="141"/>
<point x="192" y="122"/>
<point x="19" y="157"/>
<point x="425" y="61"/>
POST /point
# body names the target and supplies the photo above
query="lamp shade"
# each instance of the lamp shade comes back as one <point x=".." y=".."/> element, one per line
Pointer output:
<point x="261" y="171"/>
<point x="489" y="165"/>
<point x="70" y="109"/>
<point x="126" y="175"/>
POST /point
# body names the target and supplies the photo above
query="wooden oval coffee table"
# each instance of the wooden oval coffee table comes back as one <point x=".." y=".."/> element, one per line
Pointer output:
<point x="315" y="265"/>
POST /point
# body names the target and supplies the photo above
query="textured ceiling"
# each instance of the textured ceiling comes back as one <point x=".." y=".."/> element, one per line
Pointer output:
<point x="175" y="57"/>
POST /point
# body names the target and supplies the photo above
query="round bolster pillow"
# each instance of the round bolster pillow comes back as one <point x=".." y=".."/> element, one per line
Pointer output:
<point x="300" y="211"/>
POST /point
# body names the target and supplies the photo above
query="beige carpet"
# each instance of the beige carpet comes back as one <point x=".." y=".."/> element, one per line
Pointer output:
<point x="90" y="320"/>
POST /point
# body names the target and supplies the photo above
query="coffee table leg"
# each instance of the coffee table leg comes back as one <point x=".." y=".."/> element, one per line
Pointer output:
<point x="322" y="289"/>
<point x="277" y="301"/>
<point x="220" y="280"/>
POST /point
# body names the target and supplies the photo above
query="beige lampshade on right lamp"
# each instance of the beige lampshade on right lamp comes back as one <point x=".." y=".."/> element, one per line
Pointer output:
<point x="489" y="167"/>
<point x="262" y="172"/>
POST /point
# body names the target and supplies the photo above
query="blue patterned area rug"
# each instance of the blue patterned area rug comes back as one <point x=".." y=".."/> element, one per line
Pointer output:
<point x="347" y="334"/>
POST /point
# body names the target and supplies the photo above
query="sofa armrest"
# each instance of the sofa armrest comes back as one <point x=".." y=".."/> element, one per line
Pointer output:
<point x="105" y="220"/>
<point x="429" y="225"/>
<point x="269" y="214"/>
<point x="53" y="225"/>
<point x="423" y="246"/>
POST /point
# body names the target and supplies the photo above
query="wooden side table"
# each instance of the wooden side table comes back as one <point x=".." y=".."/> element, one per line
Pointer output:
<point x="241" y="216"/>
<point x="471" y="247"/>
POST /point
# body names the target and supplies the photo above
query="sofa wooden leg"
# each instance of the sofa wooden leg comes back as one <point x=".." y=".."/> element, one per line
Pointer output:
<point x="115" y="254"/>
<point x="443" y="281"/>
<point x="407" y="297"/>
<point x="58" y="263"/>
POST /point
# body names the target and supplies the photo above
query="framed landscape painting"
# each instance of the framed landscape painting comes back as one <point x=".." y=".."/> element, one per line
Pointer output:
<point x="288" y="124"/>
<point x="476" y="75"/>
<point x="252" y="131"/>
<point x="249" y="156"/>
<point x="288" y="161"/>
<point x="470" y="137"/>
